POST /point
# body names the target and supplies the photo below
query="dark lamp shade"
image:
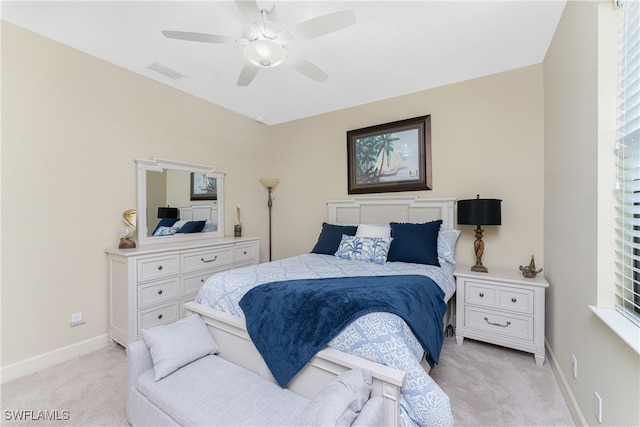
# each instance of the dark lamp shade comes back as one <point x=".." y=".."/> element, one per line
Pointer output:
<point x="479" y="212"/>
<point x="171" y="213"/>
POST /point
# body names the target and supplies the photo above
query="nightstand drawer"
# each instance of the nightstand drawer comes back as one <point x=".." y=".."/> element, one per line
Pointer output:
<point x="157" y="267"/>
<point x="206" y="259"/>
<point x="507" y="325"/>
<point x="157" y="292"/>
<point x="507" y="298"/>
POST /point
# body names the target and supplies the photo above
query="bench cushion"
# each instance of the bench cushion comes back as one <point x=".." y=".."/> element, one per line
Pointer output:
<point x="214" y="392"/>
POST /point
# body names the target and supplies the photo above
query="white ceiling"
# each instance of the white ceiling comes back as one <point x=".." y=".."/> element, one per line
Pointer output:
<point x="395" y="48"/>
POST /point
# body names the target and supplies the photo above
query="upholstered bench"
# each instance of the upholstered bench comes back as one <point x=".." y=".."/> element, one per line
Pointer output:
<point x="175" y="378"/>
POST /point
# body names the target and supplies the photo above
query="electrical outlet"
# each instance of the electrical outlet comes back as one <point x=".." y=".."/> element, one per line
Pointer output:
<point x="574" y="366"/>
<point x="76" y="319"/>
<point x="597" y="406"/>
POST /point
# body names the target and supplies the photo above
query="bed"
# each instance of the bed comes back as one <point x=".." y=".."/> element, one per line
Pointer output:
<point x="379" y="341"/>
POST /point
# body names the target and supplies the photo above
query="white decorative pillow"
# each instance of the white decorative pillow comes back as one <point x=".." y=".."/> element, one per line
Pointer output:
<point x="340" y="401"/>
<point x="178" y="224"/>
<point x="447" y="238"/>
<point x="165" y="231"/>
<point x="178" y="344"/>
<point x="374" y="230"/>
<point x="368" y="249"/>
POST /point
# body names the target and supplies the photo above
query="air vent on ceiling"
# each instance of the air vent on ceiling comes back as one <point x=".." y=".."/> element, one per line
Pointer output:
<point x="166" y="71"/>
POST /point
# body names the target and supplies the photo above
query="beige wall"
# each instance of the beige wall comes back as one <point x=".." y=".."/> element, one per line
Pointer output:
<point x="579" y="90"/>
<point x="72" y="126"/>
<point x="487" y="138"/>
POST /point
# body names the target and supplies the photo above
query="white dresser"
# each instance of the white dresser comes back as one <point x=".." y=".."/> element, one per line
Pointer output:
<point x="501" y="307"/>
<point x="148" y="285"/>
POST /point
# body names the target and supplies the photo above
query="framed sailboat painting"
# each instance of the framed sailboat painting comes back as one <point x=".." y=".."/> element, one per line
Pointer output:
<point x="393" y="156"/>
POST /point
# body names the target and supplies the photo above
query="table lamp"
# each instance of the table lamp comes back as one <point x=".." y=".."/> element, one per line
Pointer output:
<point x="479" y="212"/>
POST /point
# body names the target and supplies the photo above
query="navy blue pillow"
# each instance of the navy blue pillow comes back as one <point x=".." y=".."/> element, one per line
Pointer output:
<point x="165" y="222"/>
<point x="330" y="237"/>
<point x="192" y="227"/>
<point x="417" y="243"/>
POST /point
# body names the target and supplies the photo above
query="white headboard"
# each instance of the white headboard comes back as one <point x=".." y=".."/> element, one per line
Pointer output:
<point x="200" y="212"/>
<point x="385" y="209"/>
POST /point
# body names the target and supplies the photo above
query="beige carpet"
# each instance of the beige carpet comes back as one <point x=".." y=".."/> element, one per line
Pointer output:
<point x="487" y="386"/>
<point x="91" y="389"/>
<point x="490" y="385"/>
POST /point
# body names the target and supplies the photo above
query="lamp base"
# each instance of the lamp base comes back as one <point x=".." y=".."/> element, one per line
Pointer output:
<point x="479" y="268"/>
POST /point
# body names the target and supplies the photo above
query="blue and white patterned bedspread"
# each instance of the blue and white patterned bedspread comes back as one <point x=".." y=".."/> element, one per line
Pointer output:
<point x="381" y="337"/>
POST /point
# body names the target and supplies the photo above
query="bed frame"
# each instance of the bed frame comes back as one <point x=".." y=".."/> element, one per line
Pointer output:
<point x="230" y="332"/>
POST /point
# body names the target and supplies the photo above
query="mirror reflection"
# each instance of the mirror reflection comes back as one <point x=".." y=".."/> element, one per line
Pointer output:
<point x="180" y="202"/>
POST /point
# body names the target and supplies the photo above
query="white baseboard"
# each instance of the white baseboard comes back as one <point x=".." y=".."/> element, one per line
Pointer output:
<point x="36" y="363"/>
<point x="567" y="393"/>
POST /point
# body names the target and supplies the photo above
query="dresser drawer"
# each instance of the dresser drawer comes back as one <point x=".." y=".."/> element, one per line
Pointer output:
<point x="157" y="316"/>
<point x="244" y="254"/>
<point x="193" y="282"/>
<point x="157" y="292"/>
<point x="201" y="260"/>
<point x="507" y="325"/>
<point x="493" y="296"/>
<point x="157" y="267"/>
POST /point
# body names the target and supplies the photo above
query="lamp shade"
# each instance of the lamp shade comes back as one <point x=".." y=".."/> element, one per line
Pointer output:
<point x="168" y="213"/>
<point x="479" y="212"/>
<point x="270" y="182"/>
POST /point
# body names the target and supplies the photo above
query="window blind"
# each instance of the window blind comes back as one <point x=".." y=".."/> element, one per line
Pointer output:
<point x="628" y="165"/>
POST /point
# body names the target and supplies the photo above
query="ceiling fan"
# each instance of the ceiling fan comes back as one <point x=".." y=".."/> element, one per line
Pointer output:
<point x="265" y="41"/>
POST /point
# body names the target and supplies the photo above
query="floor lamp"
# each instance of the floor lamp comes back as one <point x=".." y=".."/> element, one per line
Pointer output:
<point x="270" y="184"/>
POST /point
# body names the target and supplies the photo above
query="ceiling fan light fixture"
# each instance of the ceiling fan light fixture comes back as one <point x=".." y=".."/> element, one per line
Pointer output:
<point x="265" y="53"/>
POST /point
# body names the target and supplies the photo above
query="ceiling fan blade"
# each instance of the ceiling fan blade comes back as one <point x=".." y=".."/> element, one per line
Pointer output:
<point x="305" y="67"/>
<point x="248" y="9"/>
<point x="198" y="37"/>
<point x="324" y="24"/>
<point x="247" y="74"/>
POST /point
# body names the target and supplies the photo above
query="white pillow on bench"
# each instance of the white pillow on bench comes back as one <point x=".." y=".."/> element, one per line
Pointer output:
<point x="178" y="344"/>
<point x="340" y="401"/>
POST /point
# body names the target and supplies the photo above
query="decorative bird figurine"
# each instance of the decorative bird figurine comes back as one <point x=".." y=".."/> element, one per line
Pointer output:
<point x="129" y="217"/>
<point x="530" y="270"/>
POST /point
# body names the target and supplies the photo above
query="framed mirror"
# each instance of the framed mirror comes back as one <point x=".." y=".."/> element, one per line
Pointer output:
<point x="178" y="201"/>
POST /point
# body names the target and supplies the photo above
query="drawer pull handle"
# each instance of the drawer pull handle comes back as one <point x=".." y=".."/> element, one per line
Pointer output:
<point x="513" y="299"/>
<point x="481" y="294"/>
<point x="209" y="260"/>
<point x="159" y="267"/>
<point x="245" y="252"/>
<point x="159" y="316"/>
<point x="201" y="280"/>
<point x="486" y="319"/>
<point x="160" y="292"/>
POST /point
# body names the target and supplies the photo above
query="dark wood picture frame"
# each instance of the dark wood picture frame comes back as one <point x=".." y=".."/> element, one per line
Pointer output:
<point x="203" y="187"/>
<point x="390" y="157"/>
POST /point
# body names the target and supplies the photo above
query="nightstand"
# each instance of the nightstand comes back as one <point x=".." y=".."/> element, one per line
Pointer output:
<point x="501" y="307"/>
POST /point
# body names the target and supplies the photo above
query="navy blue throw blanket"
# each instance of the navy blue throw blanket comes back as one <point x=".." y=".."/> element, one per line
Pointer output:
<point x="290" y="321"/>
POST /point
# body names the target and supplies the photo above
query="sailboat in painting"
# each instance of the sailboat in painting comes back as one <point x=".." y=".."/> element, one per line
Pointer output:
<point x="388" y="164"/>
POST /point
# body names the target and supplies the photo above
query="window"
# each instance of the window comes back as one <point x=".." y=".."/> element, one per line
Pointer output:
<point x="628" y="165"/>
